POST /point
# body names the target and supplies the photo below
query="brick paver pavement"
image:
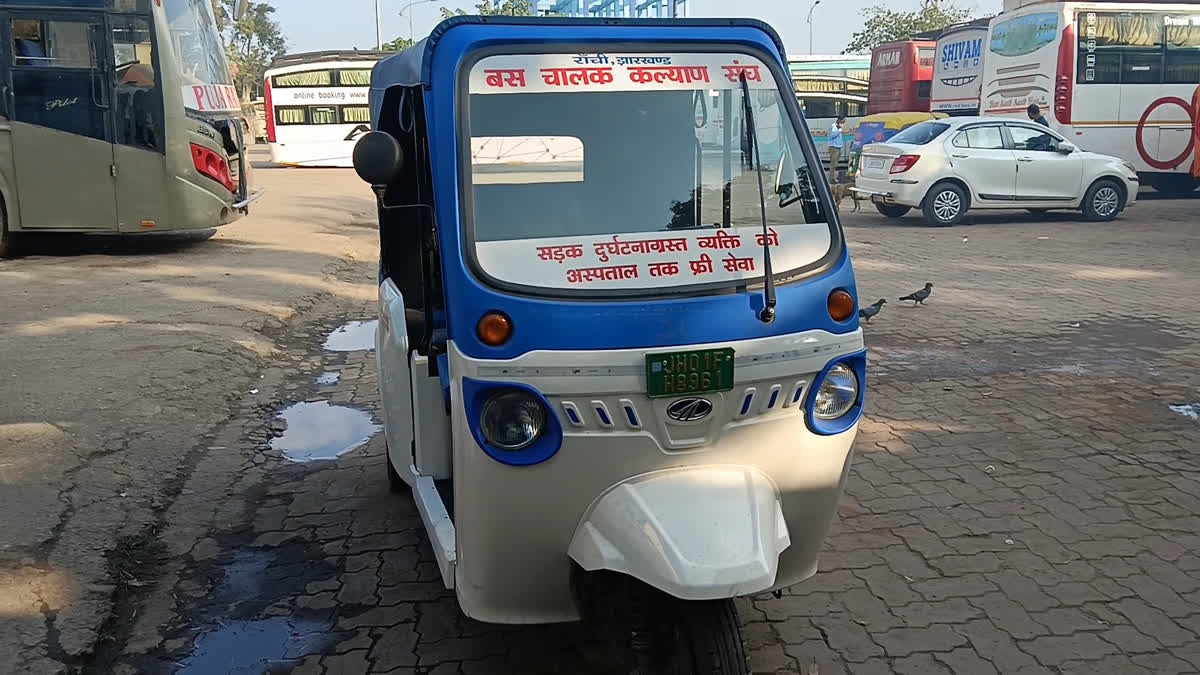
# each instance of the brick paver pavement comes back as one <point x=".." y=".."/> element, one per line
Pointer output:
<point x="1022" y="499"/>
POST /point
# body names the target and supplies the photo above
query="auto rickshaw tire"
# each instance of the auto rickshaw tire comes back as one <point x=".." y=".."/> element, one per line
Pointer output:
<point x="714" y="638"/>
<point x="395" y="482"/>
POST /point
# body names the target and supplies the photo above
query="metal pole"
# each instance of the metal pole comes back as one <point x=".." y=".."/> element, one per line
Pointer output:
<point x="810" y="30"/>
<point x="379" y="29"/>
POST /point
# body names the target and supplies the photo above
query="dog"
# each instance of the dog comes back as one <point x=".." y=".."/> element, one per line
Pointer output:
<point x="841" y="191"/>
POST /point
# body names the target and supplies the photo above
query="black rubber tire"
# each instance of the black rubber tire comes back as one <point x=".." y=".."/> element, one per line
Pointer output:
<point x="702" y="638"/>
<point x="892" y="210"/>
<point x="1038" y="212"/>
<point x="8" y="240"/>
<point x="1094" y="200"/>
<point x="1173" y="183"/>
<point x="931" y="204"/>
<point x="395" y="482"/>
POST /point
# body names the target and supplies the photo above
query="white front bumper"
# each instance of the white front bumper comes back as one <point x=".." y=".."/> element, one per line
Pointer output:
<point x="897" y="190"/>
<point x="702" y="533"/>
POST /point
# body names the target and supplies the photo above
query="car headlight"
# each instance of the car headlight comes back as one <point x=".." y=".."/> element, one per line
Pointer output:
<point x="1132" y="168"/>
<point x="512" y="420"/>
<point x="838" y="392"/>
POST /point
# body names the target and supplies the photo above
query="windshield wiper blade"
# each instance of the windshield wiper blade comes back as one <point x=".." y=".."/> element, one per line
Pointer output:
<point x="767" y="314"/>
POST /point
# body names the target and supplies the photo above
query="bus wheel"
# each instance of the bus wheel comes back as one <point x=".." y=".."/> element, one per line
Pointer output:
<point x="8" y="244"/>
<point x="892" y="210"/>
<point x="945" y="205"/>
<point x="1103" y="201"/>
<point x="1173" y="183"/>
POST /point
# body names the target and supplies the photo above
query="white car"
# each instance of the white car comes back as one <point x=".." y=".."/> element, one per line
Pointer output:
<point x="947" y="166"/>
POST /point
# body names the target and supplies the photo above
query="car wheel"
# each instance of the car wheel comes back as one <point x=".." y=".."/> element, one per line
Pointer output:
<point x="945" y="205"/>
<point x="892" y="210"/>
<point x="1103" y="201"/>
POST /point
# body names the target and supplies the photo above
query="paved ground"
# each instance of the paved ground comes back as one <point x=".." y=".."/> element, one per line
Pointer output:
<point x="1023" y="499"/>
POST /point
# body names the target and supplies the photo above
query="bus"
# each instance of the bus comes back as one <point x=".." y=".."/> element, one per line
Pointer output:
<point x="828" y="87"/>
<point x="958" y="68"/>
<point x="901" y="76"/>
<point x="1119" y="78"/>
<point x="120" y="116"/>
<point x="316" y="106"/>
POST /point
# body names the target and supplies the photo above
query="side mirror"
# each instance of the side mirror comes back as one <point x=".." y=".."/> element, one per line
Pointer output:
<point x="1066" y="147"/>
<point x="240" y="9"/>
<point x="378" y="159"/>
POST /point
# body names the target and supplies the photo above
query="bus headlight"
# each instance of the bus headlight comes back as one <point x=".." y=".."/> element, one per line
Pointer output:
<point x="512" y="420"/>
<point x="837" y="394"/>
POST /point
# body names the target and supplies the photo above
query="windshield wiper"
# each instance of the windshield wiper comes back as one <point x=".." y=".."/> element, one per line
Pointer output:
<point x="767" y="315"/>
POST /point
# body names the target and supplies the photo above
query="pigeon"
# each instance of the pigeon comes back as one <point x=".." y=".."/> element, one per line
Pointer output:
<point x="871" y="310"/>
<point x="918" y="297"/>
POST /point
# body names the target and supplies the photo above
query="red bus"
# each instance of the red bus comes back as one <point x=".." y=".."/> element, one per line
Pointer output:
<point x="901" y="77"/>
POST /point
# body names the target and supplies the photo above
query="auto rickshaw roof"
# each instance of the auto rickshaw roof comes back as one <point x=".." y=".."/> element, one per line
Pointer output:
<point x="413" y="66"/>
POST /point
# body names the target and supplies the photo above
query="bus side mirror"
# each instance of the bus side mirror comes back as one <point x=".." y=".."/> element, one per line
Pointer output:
<point x="240" y="9"/>
<point x="378" y="159"/>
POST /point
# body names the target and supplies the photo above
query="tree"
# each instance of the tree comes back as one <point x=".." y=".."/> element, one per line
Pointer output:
<point x="397" y="45"/>
<point x="485" y="8"/>
<point x="885" y="25"/>
<point x="250" y="44"/>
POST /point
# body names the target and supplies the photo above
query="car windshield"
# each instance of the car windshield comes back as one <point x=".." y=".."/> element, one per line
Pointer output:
<point x="196" y="42"/>
<point x="920" y="134"/>
<point x="634" y="171"/>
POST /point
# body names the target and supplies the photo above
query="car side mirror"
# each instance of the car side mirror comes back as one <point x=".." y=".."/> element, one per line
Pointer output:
<point x="1066" y="147"/>
<point x="378" y="159"/>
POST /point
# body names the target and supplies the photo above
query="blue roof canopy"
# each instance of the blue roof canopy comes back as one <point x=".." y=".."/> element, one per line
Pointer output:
<point x="413" y="66"/>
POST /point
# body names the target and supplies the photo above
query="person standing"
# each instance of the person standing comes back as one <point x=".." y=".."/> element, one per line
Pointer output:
<point x="1035" y="114"/>
<point x="835" y="146"/>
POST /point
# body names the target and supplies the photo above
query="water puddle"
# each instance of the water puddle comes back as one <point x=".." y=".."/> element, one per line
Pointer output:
<point x="1189" y="410"/>
<point x="328" y="378"/>
<point x="354" y="336"/>
<point x="272" y="645"/>
<point x="318" y="430"/>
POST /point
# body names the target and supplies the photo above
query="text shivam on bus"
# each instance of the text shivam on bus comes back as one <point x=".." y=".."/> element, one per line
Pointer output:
<point x="316" y="106"/>
<point x="1120" y="78"/>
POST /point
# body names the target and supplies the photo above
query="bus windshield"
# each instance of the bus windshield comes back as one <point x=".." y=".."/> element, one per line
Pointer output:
<point x="589" y="171"/>
<point x="196" y="42"/>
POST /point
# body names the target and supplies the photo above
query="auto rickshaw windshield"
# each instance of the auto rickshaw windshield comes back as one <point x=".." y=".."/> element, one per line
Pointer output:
<point x="574" y="155"/>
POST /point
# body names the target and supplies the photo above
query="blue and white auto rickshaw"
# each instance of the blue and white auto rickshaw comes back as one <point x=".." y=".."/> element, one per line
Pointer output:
<point x="616" y="367"/>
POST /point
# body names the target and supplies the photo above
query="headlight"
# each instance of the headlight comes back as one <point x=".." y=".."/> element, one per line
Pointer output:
<point x="512" y="420"/>
<point x="838" y="392"/>
<point x="1132" y="168"/>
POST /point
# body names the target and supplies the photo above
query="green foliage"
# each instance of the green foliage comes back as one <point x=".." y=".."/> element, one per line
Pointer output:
<point x="250" y="44"/>
<point x="485" y="8"/>
<point x="397" y="45"/>
<point x="885" y="25"/>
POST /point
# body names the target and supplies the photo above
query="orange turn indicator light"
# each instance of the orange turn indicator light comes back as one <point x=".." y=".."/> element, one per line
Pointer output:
<point x="494" y="329"/>
<point x="841" y="305"/>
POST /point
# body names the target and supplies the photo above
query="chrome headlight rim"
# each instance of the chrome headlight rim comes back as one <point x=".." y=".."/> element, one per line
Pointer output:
<point x="504" y="397"/>
<point x="842" y="378"/>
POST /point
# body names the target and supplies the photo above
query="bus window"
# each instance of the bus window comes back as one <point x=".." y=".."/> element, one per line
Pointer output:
<point x="325" y="114"/>
<point x="291" y="115"/>
<point x="311" y="78"/>
<point x="819" y="107"/>
<point x="138" y="102"/>
<point x="51" y="44"/>
<point x="1183" y="49"/>
<point x="354" y="78"/>
<point x="54" y="77"/>
<point x="924" y="89"/>
<point x="856" y="108"/>
<point x="353" y="114"/>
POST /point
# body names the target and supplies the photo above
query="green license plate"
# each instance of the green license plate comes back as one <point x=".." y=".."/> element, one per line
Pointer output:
<point x="699" y="371"/>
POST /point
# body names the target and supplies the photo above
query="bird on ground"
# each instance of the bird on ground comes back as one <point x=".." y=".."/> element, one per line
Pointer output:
<point x="871" y="310"/>
<point x="918" y="297"/>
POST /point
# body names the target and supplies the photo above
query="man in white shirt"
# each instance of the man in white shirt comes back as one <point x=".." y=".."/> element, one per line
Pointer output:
<point x="835" y="146"/>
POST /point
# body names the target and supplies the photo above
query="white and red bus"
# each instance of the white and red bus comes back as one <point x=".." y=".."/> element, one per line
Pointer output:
<point x="1120" y="78"/>
<point x="316" y="106"/>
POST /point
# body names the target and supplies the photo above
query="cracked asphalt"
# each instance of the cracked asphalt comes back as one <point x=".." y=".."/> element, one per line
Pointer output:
<point x="1023" y="497"/>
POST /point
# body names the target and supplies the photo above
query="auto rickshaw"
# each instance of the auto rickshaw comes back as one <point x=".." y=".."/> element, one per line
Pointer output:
<point x="620" y="372"/>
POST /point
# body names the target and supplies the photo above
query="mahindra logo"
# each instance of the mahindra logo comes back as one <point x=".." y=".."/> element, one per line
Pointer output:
<point x="689" y="409"/>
